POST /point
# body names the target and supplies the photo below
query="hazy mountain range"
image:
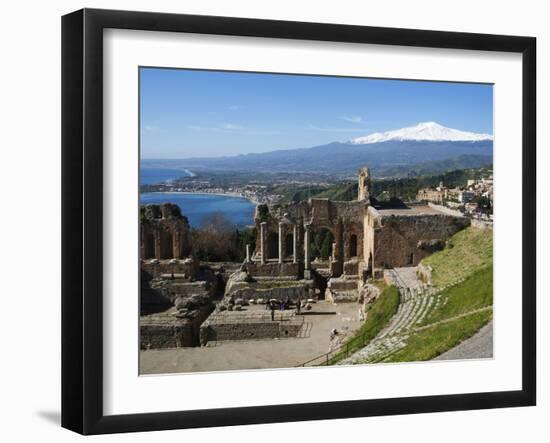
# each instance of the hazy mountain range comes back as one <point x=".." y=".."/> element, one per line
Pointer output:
<point x="421" y="149"/>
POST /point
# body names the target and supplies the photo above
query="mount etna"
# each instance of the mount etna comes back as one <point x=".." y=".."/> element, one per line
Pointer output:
<point x="422" y="149"/>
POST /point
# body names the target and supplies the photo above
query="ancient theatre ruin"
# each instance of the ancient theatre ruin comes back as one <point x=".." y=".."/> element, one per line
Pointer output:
<point x="188" y="303"/>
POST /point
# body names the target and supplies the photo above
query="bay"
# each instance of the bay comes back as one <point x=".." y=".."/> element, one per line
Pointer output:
<point x="196" y="207"/>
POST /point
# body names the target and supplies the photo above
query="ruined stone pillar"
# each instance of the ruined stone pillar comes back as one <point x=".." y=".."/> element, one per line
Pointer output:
<point x="247" y="253"/>
<point x="280" y="242"/>
<point x="157" y="244"/>
<point x="337" y="265"/>
<point x="307" y="238"/>
<point x="176" y="244"/>
<point x="262" y="242"/>
<point x="142" y="245"/>
<point x="295" y="244"/>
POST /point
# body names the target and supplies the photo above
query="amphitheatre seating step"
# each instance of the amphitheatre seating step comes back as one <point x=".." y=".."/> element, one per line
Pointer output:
<point x="342" y="284"/>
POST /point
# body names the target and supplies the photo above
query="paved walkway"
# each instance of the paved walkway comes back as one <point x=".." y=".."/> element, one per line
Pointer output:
<point x="480" y="345"/>
<point x="257" y="354"/>
<point x="406" y="277"/>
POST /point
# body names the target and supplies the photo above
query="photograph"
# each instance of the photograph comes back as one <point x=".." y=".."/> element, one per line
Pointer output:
<point x="302" y="220"/>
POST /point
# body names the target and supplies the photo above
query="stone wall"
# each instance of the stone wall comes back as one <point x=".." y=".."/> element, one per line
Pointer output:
<point x="232" y="326"/>
<point x="273" y="269"/>
<point x="241" y="285"/>
<point x="404" y="240"/>
<point x="164" y="232"/>
<point x="482" y="224"/>
<point x="351" y="267"/>
<point x="162" y="282"/>
<point x="155" y="268"/>
<point x="299" y="291"/>
<point x="159" y="331"/>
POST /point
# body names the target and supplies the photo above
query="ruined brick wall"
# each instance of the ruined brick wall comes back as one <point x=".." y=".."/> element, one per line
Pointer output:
<point x="248" y="330"/>
<point x="154" y="268"/>
<point x="160" y="332"/>
<point x="405" y="240"/>
<point x="343" y="219"/>
<point x="248" y="293"/>
<point x="275" y="269"/>
<point x="166" y="336"/>
<point x="164" y="232"/>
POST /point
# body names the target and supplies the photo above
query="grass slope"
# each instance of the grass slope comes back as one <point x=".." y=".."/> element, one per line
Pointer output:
<point x="467" y="258"/>
<point x="475" y="292"/>
<point x="433" y="341"/>
<point x="466" y="252"/>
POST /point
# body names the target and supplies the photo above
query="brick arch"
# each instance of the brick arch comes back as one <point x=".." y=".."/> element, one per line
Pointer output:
<point x="317" y="242"/>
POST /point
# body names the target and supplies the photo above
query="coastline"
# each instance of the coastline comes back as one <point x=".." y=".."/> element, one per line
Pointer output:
<point x="222" y="194"/>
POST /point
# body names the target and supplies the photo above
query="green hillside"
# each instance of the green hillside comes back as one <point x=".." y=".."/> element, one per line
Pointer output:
<point x="404" y="188"/>
<point x="475" y="292"/>
<point x="435" y="340"/>
<point x="466" y="252"/>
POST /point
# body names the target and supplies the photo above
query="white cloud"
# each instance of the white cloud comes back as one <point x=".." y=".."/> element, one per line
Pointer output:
<point x="231" y="126"/>
<point x="353" y="119"/>
<point x="150" y="128"/>
<point x="235" y="107"/>
<point x="334" y="129"/>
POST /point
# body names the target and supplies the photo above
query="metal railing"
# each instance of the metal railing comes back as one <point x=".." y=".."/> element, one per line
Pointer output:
<point x="339" y="353"/>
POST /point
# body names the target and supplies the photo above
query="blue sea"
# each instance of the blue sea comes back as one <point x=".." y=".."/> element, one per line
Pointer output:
<point x="196" y="207"/>
<point x="152" y="176"/>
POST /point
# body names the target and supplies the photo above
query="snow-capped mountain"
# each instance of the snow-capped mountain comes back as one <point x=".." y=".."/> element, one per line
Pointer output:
<point x="427" y="131"/>
<point x="422" y="149"/>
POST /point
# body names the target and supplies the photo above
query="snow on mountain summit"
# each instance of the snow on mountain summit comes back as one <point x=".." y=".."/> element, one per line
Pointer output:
<point x="427" y="131"/>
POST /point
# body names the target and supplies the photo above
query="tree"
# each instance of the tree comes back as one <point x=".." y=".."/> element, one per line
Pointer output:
<point x="216" y="239"/>
<point x="326" y="248"/>
<point x="263" y="212"/>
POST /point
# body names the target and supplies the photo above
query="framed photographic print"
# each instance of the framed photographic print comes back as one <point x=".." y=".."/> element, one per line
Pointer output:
<point x="269" y="221"/>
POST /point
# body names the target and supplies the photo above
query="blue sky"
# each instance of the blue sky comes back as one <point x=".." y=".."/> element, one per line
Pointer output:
<point x="191" y="113"/>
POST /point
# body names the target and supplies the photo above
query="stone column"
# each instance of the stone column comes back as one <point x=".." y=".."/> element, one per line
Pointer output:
<point x="262" y="242"/>
<point x="176" y="244"/>
<point x="157" y="244"/>
<point x="307" y="238"/>
<point x="142" y="243"/>
<point x="247" y="253"/>
<point x="280" y="242"/>
<point x="295" y="244"/>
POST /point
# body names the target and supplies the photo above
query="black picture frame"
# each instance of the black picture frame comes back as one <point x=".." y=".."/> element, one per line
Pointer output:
<point x="82" y="190"/>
